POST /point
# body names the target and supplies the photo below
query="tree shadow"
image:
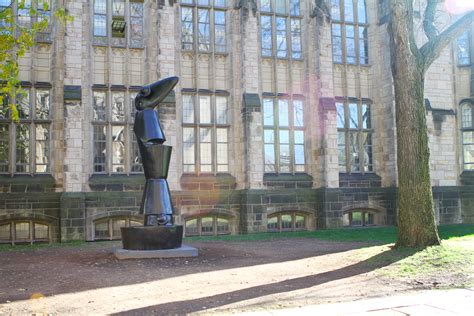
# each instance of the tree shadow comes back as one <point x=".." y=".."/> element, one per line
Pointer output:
<point x="67" y="270"/>
<point x="189" y="306"/>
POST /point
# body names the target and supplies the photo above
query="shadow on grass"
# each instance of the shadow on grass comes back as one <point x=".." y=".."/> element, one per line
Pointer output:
<point x="453" y="231"/>
<point x="194" y="305"/>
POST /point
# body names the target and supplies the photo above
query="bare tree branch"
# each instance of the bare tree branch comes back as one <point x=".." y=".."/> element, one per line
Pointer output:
<point x="431" y="50"/>
<point x="428" y="19"/>
<point x="411" y="30"/>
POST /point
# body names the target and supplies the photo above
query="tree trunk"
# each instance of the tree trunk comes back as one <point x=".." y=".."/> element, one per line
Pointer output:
<point x="416" y="221"/>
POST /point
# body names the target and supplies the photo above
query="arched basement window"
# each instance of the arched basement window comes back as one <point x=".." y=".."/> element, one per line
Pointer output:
<point x="360" y="217"/>
<point x="109" y="228"/>
<point x="207" y="226"/>
<point x="287" y="221"/>
<point x="24" y="232"/>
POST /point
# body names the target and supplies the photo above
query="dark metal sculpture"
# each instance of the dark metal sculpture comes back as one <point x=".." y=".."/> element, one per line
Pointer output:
<point x="158" y="231"/>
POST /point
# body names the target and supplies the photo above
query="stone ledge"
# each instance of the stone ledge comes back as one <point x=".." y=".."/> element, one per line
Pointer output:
<point x="206" y="182"/>
<point x="183" y="252"/>
<point x="467" y="177"/>
<point x="289" y="181"/>
<point x="358" y="180"/>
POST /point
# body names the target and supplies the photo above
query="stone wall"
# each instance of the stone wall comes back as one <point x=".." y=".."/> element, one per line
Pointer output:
<point x="31" y="198"/>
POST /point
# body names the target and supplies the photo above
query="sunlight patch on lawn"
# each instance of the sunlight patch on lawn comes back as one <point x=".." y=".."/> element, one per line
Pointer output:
<point x="454" y="258"/>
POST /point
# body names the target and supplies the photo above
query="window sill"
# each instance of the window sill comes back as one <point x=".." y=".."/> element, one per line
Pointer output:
<point x="21" y="183"/>
<point x="352" y="65"/>
<point x="207" y="181"/>
<point x="467" y="177"/>
<point x="116" y="178"/>
<point x="290" y="181"/>
<point x="359" y="180"/>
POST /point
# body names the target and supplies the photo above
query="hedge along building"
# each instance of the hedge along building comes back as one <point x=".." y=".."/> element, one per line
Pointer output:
<point x="282" y="120"/>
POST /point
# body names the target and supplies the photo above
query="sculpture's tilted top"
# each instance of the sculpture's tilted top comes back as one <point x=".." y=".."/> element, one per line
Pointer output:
<point x="150" y="96"/>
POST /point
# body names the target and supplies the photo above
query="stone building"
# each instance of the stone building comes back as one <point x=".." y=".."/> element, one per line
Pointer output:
<point x="283" y="119"/>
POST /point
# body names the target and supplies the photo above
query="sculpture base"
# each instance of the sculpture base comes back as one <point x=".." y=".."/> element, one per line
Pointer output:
<point x="181" y="252"/>
<point x="152" y="237"/>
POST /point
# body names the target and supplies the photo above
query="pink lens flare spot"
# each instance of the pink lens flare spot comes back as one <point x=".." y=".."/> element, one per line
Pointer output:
<point x="459" y="6"/>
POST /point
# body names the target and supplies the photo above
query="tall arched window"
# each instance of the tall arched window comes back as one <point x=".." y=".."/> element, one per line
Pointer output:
<point x="467" y="134"/>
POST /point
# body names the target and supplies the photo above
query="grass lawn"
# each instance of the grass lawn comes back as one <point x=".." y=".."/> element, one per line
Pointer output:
<point x="379" y="235"/>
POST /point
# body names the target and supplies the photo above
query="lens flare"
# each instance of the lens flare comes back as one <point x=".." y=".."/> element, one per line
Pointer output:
<point x="459" y="6"/>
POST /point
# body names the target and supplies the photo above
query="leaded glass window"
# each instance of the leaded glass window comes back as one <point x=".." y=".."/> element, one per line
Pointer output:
<point x="207" y="225"/>
<point x="205" y="134"/>
<point x="24" y="231"/>
<point x="280" y="28"/>
<point x="349" y="32"/>
<point x="283" y="135"/>
<point x="118" y="22"/>
<point x="109" y="228"/>
<point x="25" y="147"/>
<point x="100" y="18"/>
<point x="203" y="25"/>
<point x="467" y="131"/>
<point x="354" y="136"/>
<point x="463" y="50"/>
<point x="286" y="221"/>
<point x="115" y="149"/>
<point x="361" y="217"/>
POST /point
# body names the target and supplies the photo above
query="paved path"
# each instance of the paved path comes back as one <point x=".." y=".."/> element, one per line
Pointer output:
<point x="429" y="303"/>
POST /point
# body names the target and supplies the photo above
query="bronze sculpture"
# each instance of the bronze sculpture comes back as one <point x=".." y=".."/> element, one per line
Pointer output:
<point x="158" y="231"/>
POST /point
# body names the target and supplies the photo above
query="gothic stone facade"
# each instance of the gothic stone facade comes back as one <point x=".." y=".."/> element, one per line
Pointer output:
<point x="282" y="120"/>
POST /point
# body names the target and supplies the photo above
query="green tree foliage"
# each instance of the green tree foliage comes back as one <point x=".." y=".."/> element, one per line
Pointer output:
<point x="16" y="40"/>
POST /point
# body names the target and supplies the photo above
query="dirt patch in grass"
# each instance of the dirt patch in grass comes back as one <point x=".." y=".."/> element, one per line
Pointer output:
<point x="227" y="276"/>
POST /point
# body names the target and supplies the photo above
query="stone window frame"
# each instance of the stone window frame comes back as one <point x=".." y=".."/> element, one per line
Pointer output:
<point x="31" y="232"/>
<point x="32" y="120"/>
<point x="463" y="49"/>
<point x="467" y="127"/>
<point x="277" y="128"/>
<point x="214" y="226"/>
<point x="292" y="32"/>
<point x="279" y="225"/>
<point x="344" y="128"/>
<point x="110" y="226"/>
<point x="213" y="7"/>
<point x="339" y="6"/>
<point x="132" y="159"/>
<point x="195" y="165"/>
<point x="116" y="39"/>
<point x="366" y="215"/>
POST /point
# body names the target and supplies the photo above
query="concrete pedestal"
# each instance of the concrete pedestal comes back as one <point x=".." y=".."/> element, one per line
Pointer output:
<point x="181" y="252"/>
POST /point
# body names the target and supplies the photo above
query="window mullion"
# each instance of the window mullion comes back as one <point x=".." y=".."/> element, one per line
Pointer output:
<point x="13" y="147"/>
<point x="291" y="132"/>
<point x="212" y="30"/>
<point x="195" y="18"/>
<point x="213" y="136"/>
<point x="32" y="151"/>
<point x="274" y="36"/>
<point x="360" y="130"/>
<point x="276" y="128"/>
<point x="197" y="134"/>
<point x="108" y="136"/>
<point x="347" y="137"/>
